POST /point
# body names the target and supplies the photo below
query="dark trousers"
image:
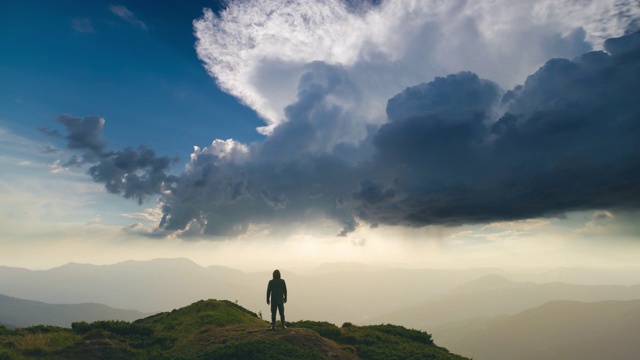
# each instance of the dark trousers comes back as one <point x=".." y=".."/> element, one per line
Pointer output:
<point x="277" y="307"/>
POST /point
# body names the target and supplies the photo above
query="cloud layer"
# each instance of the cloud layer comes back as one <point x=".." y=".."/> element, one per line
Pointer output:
<point x="258" y="49"/>
<point x="127" y="15"/>
<point x="568" y="140"/>
<point x="362" y="132"/>
<point x="133" y="173"/>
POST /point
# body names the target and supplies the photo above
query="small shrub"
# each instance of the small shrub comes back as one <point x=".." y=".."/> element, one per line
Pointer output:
<point x="349" y="348"/>
<point x="121" y="328"/>
<point x="43" y="329"/>
<point x="7" y="355"/>
<point x="400" y="331"/>
<point x="36" y="344"/>
<point x="349" y="339"/>
<point x="325" y="329"/>
<point x="96" y="334"/>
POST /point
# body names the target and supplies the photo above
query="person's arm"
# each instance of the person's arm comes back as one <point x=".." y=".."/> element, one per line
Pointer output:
<point x="268" y="292"/>
<point x="284" y="285"/>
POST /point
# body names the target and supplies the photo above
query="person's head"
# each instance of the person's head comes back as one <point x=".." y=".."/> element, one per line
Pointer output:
<point x="276" y="274"/>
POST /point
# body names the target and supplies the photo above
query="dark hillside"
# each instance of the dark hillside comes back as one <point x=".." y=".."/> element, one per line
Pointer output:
<point x="23" y="313"/>
<point x="215" y="329"/>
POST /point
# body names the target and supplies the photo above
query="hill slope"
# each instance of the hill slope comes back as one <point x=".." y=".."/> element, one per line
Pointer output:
<point x="22" y="313"/>
<point x="562" y="330"/>
<point x="218" y="330"/>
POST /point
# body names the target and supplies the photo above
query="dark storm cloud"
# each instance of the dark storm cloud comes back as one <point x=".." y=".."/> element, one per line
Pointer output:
<point x="456" y="150"/>
<point x="224" y="199"/>
<point x="134" y="173"/>
<point x="455" y="98"/>
<point x="430" y="154"/>
<point x="295" y="172"/>
<point x="84" y="133"/>
<point x="569" y="140"/>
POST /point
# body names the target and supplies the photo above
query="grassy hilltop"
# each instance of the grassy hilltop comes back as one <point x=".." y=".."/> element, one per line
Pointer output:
<point x="215" y="329"/>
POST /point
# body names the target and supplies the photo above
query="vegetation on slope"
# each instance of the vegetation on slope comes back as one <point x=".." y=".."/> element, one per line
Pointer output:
<point x="215" y="329"/>
<point x="381" y="341"/>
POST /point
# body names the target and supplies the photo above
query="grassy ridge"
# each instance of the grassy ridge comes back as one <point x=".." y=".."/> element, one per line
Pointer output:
<point x="381" y="341"/>
<point x="215" y="329"/>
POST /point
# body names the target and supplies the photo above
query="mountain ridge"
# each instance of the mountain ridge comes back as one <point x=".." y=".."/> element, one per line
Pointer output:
<point x="557" y="330"/>
<point x="161" y="284"/>
<point x="153" y="286"/>
<point x="23" y="313"/>
<point x="471" y="301"/>
<point x="218" y="329"/>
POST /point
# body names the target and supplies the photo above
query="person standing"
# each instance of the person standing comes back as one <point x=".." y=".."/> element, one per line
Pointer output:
<point x="277" y="297"/>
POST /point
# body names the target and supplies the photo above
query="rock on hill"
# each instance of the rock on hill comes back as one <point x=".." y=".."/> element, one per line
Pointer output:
<point x="215" y="329"/>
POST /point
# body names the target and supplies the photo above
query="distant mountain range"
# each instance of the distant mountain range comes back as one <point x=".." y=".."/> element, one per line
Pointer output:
<point x="332" y="293"/>
<point x="559" y="330"/>
<point x="16" y="312"/>
<point x="494" y="295"/>
<point x="149" y="286"/>
<point x="337" y="292"/>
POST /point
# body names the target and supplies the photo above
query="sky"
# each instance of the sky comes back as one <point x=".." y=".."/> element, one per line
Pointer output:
<point x="253" y="134"/>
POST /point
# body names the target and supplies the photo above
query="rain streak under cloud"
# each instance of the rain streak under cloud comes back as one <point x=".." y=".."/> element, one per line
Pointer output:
<point x="402" y="113"/>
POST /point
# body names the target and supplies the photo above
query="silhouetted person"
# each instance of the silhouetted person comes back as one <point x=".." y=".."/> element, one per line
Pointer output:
<point x="277" y="291"/>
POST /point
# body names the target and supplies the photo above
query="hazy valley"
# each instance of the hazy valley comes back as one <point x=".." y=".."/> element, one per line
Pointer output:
<point x="567" y="330"/>
<point x="465" y="310"/>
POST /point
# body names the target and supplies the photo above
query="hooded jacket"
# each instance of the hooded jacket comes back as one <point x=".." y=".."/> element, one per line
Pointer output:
<point x="277" y="289"/>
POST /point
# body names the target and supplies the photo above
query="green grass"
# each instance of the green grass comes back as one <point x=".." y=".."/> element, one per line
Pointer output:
<point x="325" y="329"/>
<point x="35" y="341"/>
<point x="262" y="348"/>
<point x="381" y="341"/>
<point x="197" y="315"/>
<point x="215" y="329"/>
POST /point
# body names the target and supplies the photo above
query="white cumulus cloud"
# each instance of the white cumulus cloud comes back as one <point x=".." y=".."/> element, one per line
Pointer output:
<point x="257" y="49"/>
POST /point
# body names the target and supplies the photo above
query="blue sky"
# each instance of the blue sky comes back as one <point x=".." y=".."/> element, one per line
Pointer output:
<point x="144" y="78"/>
<point x="411" y="132"/>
